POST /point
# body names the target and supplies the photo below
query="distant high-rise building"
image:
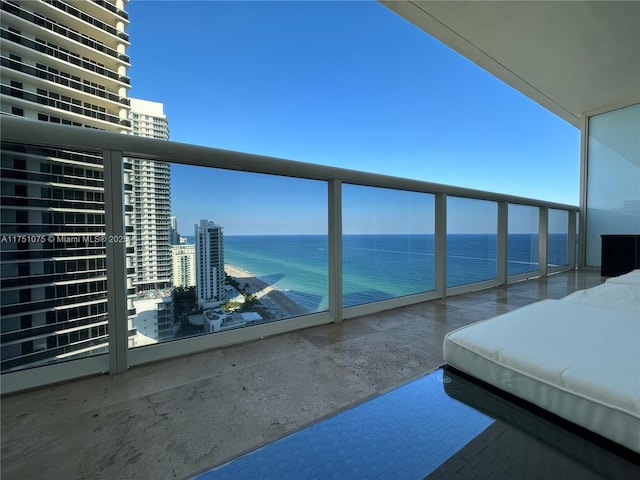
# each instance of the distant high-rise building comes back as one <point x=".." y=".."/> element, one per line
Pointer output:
<point x="62" y="62"/>
<point x="152" y="226"/>
<point x="174" y="236"/>
<point x="184" y="265"/>
<point x="148" y="119"/>
<point x="151" y="202"/>
<point x="210" y="277"/>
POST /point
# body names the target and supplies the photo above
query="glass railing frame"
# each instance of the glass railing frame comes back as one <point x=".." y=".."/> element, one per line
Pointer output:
<point x="115" y="147"/>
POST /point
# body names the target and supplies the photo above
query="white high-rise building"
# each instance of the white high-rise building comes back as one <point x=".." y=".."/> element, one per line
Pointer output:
<point x="184" y="265"/>
<point x="151" y="223"/>
<point x="151" y="202"/>
<point x="148" y="119"/>
<point x="210" y="278"/>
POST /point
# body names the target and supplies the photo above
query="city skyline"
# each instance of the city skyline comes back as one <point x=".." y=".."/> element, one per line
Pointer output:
<point x="347" y="84"/>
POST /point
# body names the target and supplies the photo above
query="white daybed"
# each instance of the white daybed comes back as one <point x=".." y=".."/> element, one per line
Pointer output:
<point x="578" y="357"/>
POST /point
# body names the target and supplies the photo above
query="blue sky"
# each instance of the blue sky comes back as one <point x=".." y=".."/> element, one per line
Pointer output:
<point x="347" y="84"/>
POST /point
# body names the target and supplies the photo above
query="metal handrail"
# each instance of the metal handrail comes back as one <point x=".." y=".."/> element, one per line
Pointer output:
<point x="21" y="130"/>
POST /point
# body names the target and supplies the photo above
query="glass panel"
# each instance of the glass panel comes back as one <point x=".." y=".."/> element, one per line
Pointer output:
<point x="558" y="238"/>
<point x="522" y="250"/>
<point x="52" y="268"/>
<point x="388" y="244"/>
<point x="472" y="227"/>
<point x="238" y="248"/>
<point x="613" y="184"/>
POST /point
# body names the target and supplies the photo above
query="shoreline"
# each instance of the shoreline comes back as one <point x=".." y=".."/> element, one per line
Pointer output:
<point x="271" y="298"/>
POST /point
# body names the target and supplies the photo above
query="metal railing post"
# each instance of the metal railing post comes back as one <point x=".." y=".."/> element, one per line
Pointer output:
<point x="116" y="260"/>
<point x="441" y="244"/>
<point x="571" y="238"/>
<point x="543" y="240"/>
<point x="502" y="242"/>
<point x="335" y="249"/>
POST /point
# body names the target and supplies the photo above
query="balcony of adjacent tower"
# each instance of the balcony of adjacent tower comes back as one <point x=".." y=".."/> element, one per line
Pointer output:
<point x="58" y="108"/>
<point x="29" y="46"/>
<point x="109" y="7"/>
<point x="38" y="26"/>
<point x="64" y="82"/>
<point x="95" y="27"/>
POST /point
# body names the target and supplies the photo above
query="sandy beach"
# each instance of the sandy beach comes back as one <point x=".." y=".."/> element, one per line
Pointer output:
<point x="271" y="298"/>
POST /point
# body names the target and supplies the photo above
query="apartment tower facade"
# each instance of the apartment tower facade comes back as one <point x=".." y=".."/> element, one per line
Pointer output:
<point x="184" y="265"/>
<point x="151" y="202"/>
<point x="61" y="62"/>
<point x="210" y="278"/>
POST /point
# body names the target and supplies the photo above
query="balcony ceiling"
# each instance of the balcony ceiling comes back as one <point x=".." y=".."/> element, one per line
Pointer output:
<point x="570" y="57"/>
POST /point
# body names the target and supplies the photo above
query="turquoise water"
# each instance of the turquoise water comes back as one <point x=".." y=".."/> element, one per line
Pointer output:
<point x="296" y="264"/>
<point x="378" y="267"/>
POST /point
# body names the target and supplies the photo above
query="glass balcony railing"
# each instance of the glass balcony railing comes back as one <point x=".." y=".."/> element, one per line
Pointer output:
<point x="62" y="79"/>
<point x="471" y="240"/>
<point x="387" y="244"/>
<point x="60" y="53"/>
<point x="558" y="238"/>
<point x="523" y="239"/>
<point x="48" y="101"/>
<point x="267" y="246"/>
<point x="112" y="8"/>
<point x="87" y="18"/>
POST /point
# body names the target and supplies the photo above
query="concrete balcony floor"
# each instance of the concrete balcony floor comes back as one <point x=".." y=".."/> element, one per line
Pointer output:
<point x="177" y="418"/>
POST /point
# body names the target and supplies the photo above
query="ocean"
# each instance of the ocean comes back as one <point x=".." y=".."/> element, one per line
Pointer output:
<point x="378" y="267"/>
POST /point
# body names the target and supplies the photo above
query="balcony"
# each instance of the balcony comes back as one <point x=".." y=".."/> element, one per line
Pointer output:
<point x="258" y="389"/>
<point x="432" y="263"/>
<point x="53" y="26"/>
<point x="329" y="365"/>
<point x="87" y="18"/>
<point x="61" y="105"/>
<point x="63" y="54"/>
<point x="61" y="80"/>
<point x="392" y="331"/>
<point x="112" y="8"/>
